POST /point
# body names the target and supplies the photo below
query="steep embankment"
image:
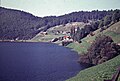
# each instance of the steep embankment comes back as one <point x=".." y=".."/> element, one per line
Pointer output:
<point x="99" y="72"/>
<point x="104" y="70"/>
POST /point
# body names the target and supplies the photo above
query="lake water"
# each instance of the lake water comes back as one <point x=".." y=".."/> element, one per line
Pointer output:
<point x="37" y="62"/>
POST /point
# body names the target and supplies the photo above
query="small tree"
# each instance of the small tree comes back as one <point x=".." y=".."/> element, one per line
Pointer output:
<point x="107" y="20"/>
<point x="101" y="24"/>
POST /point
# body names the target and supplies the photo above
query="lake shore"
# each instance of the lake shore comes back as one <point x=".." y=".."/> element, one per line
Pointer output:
<point x="47" y="61"/>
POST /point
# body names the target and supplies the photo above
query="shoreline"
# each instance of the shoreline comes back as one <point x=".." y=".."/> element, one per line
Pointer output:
<point x="33" y="41"/>
<point x="71" y="49"/>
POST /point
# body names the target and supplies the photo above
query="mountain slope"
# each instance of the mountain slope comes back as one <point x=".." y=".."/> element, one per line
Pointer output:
<point x="113" y="31"/>
<point x="16" y="24"/>
<point x="57" y="31"/>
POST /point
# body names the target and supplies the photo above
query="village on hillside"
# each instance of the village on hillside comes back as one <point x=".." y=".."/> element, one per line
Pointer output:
<point x="59" y="34"/>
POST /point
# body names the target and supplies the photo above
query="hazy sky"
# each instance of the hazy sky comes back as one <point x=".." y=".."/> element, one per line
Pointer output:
<point x="59" y="7"/>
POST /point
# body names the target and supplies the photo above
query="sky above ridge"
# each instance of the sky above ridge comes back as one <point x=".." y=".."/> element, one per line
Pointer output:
<point x="59" y="7"/>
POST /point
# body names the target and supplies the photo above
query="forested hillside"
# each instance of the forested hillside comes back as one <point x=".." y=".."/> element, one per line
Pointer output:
<point x="16" y="24"/>
<point x="78" y="33"/>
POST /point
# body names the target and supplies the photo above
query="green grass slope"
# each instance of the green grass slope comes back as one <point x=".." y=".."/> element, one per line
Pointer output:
<point x="114" y="32"/>
<point x="99" y="72"/>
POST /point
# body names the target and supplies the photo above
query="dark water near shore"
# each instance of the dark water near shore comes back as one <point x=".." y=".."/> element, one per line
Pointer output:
<point x="37" y="62"/>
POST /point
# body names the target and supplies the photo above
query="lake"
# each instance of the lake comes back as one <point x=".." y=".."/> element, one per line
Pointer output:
<point x="37" y="62"/>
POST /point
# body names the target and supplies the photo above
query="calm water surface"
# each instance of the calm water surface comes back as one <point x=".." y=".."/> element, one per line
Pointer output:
<point x="37" y="62"/>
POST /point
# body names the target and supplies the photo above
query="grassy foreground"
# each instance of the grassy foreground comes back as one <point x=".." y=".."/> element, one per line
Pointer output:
<point x="102" y="71"/>
<point x="99" y="72"/>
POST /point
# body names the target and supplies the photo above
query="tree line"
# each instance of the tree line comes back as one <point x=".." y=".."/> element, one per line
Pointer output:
<point x="23" y="25"/>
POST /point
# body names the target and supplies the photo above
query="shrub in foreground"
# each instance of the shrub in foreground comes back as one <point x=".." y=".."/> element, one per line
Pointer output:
<point x="101" y="50"/>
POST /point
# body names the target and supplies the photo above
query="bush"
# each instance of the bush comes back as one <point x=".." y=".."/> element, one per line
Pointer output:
<point x="101" y="50"/>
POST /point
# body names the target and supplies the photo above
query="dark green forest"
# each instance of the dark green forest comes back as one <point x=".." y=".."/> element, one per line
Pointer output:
<point x="23" y="25"/>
